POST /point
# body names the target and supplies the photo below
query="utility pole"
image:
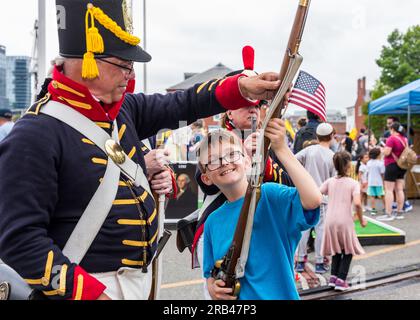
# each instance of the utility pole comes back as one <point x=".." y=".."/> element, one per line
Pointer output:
<point x="41" y="46"/>
<point x="34" y="62"/>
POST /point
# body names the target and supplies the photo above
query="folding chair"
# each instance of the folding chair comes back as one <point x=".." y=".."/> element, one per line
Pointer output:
<point x="414" y="171"/>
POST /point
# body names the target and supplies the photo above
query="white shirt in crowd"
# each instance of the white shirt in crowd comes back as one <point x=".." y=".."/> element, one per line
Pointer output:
<point x="376" y="169"/>
<point x="364" y="170"/>
<point x="318" y="161"/>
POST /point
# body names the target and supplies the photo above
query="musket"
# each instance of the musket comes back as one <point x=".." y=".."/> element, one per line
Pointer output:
<point x="163" y="236"/>
<point x="232" y="267"/>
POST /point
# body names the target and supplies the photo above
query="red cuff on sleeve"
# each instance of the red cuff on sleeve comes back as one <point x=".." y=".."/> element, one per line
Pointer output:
<point x="269" y="170"/>
<point x="229" y="95"/>
<point x="86" y="287"/>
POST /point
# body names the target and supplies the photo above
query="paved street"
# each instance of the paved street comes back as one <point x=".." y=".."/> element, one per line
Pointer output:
<point x="180" y="282"/>
<point x="406" y="290"/>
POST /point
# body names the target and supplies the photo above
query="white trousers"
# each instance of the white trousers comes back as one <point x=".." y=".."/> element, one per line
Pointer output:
<point x="127" y="283"/>
<point x="319" y="229"/>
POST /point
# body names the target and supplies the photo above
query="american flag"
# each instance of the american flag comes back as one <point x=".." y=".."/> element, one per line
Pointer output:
<point x="309" y="94"/>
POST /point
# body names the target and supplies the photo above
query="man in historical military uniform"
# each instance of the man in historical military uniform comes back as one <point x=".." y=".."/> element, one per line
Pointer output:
<point x="67" y="226"/>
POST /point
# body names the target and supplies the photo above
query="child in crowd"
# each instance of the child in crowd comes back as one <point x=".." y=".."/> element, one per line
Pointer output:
<point x="340" y="239"/>
<point x="281" y="216"/>
<point x="376" y="171"/>
<point x="362" y="173"/>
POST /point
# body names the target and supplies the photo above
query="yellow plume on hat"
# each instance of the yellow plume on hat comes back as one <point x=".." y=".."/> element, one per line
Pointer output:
<point x="95" y="42"/>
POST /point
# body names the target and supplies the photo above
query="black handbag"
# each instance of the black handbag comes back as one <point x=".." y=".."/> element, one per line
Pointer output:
<point x="186" y="230"/>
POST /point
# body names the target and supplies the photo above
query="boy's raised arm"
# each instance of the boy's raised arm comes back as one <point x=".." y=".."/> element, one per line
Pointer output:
<point x="308" y="190"/>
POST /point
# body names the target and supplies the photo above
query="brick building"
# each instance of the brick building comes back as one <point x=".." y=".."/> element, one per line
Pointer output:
<point x="355" y="117"/>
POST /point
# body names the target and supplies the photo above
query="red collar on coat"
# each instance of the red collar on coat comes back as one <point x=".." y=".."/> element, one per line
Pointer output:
<point x="78" y="97"/>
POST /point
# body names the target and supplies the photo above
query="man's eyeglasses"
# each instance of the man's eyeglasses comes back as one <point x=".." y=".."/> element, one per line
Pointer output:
<point x="231" y="157"/>
<point x="128" y="68"/>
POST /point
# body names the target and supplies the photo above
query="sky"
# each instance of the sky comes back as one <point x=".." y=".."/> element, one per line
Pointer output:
<point x="342" y="39"/>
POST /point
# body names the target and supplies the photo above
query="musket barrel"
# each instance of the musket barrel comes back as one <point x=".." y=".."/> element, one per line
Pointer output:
<point x="292" y="49"/>
<point x="296" y="34"/>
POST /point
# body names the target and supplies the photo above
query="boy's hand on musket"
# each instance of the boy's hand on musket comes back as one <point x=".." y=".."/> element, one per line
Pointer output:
<point x="276" y="132"/>
<point x="260" y="87"/>
<point x="218" y="291"/>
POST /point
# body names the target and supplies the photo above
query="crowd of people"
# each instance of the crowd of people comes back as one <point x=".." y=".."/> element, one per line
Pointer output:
<point x="326" y="162"/>
<point x="330" y="164"/>
<point x="379" y="178"/>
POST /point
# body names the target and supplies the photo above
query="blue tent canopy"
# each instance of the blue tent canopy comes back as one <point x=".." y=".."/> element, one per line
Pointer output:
<point x="405" y="100"/>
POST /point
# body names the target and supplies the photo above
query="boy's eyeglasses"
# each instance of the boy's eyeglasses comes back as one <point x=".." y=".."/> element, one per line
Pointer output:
<point x="231" y="157"/>
<point x="128" y="68"/>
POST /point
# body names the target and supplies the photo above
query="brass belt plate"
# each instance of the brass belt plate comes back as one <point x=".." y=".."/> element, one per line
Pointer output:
<point x="114" y="151"/>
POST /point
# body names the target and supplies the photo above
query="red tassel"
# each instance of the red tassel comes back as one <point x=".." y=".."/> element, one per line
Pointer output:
<point x="248" y="55"/>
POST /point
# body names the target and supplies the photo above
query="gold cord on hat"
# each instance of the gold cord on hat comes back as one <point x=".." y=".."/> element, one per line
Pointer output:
<point x="95" y="42"/>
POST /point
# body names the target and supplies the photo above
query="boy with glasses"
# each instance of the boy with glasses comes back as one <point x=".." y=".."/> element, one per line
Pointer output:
<point x="281" y="215"/>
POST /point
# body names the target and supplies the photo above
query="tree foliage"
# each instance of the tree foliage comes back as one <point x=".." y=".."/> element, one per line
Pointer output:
<point x="399" y="60"/>
<point x="400" y="64"/>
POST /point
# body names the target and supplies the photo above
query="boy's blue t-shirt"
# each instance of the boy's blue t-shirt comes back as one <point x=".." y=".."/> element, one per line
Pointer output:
<point x="278" y="223"/>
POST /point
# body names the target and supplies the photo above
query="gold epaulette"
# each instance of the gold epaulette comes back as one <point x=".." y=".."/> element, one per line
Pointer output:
<point x="34" y="109"/>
